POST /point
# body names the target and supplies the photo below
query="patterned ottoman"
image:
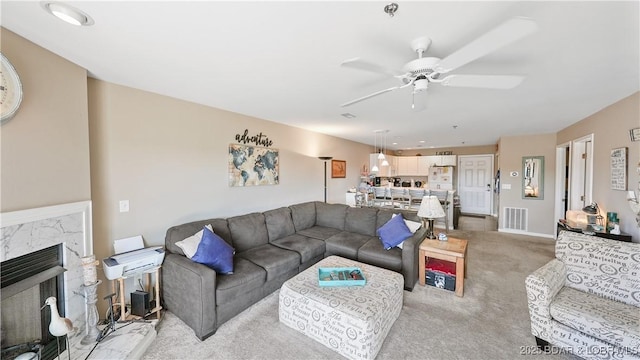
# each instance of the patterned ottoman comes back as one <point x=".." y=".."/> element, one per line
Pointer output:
<point x="351" y="320"/>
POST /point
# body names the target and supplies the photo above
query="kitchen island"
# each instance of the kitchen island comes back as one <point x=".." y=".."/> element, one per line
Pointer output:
<point x="381" y="197"/>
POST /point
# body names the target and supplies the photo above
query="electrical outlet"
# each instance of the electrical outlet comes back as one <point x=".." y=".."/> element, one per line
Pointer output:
<point x="124" y="205"/>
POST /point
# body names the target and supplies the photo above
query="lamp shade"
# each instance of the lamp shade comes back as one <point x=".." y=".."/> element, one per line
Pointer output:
<point x="591" y="209"/>
<point x="430" y="208"/>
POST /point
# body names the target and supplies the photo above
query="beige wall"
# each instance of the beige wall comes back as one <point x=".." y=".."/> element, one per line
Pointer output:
<point x="610" y="127"/>
<point x="540" y="211"/>
<point x="169" y="158"/>
<point x="45" y="147"/>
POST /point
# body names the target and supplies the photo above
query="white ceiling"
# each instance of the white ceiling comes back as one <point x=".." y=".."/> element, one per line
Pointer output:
<point x="280" y="61"/>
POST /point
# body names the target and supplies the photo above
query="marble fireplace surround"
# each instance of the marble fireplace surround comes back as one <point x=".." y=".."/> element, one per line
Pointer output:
<point x="26" y="231"/>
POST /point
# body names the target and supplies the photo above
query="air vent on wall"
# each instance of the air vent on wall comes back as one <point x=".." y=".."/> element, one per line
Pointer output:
<point x="516" y="218"/>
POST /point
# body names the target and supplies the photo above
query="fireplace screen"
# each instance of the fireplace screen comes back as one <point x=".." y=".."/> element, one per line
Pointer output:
<point x="26" y="282"/>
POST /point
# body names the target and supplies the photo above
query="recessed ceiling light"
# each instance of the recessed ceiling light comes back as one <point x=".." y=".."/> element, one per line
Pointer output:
<point x="68" y="13"/>
<point x="421" y="141"/>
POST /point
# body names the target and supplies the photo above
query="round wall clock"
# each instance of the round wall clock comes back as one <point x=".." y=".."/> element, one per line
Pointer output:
<point x="10" y="90"/>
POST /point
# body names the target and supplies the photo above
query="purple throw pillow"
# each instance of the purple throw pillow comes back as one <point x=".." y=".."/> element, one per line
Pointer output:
<point x="394" y="232"/>
<point x="215" y="253"/>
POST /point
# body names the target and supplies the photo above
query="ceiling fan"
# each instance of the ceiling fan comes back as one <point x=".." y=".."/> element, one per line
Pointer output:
<point x="420" y="72"/>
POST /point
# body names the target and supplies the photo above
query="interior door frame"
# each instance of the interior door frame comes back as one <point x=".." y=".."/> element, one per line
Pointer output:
<point x="579" y="173"/>
<point x="562" y="162"/>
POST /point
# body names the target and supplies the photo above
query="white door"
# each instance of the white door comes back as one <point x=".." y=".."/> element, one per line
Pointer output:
<point x="475" y="178"/>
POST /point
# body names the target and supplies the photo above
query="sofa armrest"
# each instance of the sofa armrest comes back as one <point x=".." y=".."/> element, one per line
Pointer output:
<point x="410" y="252"/>
<point x="189" y="291"/>
<point x="542" y="286"/>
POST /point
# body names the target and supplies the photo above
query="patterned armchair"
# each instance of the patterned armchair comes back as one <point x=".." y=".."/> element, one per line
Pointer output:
<point x="587" y="299"/>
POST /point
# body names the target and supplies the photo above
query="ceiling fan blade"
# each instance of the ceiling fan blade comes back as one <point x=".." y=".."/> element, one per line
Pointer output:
<point x="375" y="94"/>
<point x="510" y="31"/>
<point x="357" y="63"/>
<point x="483" y="81"/>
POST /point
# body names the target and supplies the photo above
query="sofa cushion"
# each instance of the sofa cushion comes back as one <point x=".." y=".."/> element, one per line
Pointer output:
<point x="279" y="223"/>
<point x="246" y="277"/>
<point x="361" y="221"/>
<point x="248" y="231"/>
<point x="276" y="261"/>
<point x="303" y="215"/>
<point x="372" y="252"/>
<point x="608" y="320"/>
<point x="331" y="215"/>
<point x="308" y="248"/>
<point x="385" y="215"/>
<point x="319" y="232"/>
<point x="346" y="244"/>
<point x="214" y="252"/>
<point x="394" y="232"/>
<point x="181" y="232"/>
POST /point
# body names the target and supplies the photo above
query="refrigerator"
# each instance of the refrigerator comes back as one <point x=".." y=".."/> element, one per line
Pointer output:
<point x="441" y="177"/>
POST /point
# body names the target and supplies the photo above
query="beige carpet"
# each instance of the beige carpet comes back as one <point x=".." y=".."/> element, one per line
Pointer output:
<point x="491" y="321"/>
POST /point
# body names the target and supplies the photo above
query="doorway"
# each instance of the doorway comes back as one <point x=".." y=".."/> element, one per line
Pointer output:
<point x="574" y="175"/>
<point x="475" y="178"/>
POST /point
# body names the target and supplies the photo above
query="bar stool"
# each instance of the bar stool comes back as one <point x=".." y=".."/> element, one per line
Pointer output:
<point x="415" y="198"/>
<point x="443" y="196"/>
<point x="401" y="197"/>
<point x="381" y="196"/>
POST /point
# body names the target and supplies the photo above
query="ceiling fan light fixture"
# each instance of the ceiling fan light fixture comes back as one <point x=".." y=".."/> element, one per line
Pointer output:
<point x="68" y="13"/>
<point x="391" y="9"/>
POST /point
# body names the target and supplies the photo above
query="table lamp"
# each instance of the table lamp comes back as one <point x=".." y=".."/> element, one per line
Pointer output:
<point x="595" y="220"/>
<point x="430" y="209"/>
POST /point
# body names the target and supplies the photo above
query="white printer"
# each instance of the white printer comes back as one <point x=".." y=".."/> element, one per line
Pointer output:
<point x="133" y="262"/>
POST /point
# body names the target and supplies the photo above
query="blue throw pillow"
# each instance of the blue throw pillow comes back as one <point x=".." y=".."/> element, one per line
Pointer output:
<point x="394" y="232"/>
<point x="214" y="252"/>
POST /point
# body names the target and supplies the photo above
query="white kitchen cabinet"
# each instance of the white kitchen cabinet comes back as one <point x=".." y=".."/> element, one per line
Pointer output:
<point x="407" y="165"/>
<point x="448" y="160"/>
<point x="441" y="160"/>
<point x="424" y="163"/>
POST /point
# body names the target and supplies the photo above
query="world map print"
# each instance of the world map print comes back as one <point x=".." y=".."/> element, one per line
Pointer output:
<point x="252" y="165"/>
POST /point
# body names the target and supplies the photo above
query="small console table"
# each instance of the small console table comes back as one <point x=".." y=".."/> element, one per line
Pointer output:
<point x="120" y="294"/>
<point x="620" y="237"/>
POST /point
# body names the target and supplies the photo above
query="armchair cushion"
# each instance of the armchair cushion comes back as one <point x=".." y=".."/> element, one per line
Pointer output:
<point x="610" y="321"/>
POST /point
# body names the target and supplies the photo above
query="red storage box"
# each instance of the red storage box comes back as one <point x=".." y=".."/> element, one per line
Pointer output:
<point x="441" y="274"/>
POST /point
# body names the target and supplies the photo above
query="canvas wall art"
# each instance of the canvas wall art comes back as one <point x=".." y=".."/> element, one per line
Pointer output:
<point x="253" y="165"/>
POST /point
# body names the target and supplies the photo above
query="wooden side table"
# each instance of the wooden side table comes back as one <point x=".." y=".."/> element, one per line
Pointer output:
<point x="453" y="250"/>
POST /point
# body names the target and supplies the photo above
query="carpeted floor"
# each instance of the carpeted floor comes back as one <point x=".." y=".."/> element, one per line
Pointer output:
<point x="491" y="321"/>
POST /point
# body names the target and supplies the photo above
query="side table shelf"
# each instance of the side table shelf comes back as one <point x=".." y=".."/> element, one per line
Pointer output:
<point x="120" y="295"/>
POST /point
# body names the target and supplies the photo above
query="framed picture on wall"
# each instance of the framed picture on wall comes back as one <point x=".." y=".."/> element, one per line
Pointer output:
<point x="338" y="168"/>
<point x="619" y="169"/>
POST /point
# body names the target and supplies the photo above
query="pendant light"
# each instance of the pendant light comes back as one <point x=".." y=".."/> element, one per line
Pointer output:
<point x="384" y="161"/>
<point x="381" y="154"/>
<point x="374" y="168"/>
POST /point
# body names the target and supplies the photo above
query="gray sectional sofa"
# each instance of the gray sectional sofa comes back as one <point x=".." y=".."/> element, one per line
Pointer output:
<point x="270" y="248"/>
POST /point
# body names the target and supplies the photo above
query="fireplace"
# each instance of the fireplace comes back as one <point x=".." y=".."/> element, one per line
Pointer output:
<point x="26" y="282"/>
<point x="57" y="237"/>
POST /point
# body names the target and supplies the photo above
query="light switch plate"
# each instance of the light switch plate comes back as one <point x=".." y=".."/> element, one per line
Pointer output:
<point x="506" y="186"/>
<point x="124" y="205"/>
